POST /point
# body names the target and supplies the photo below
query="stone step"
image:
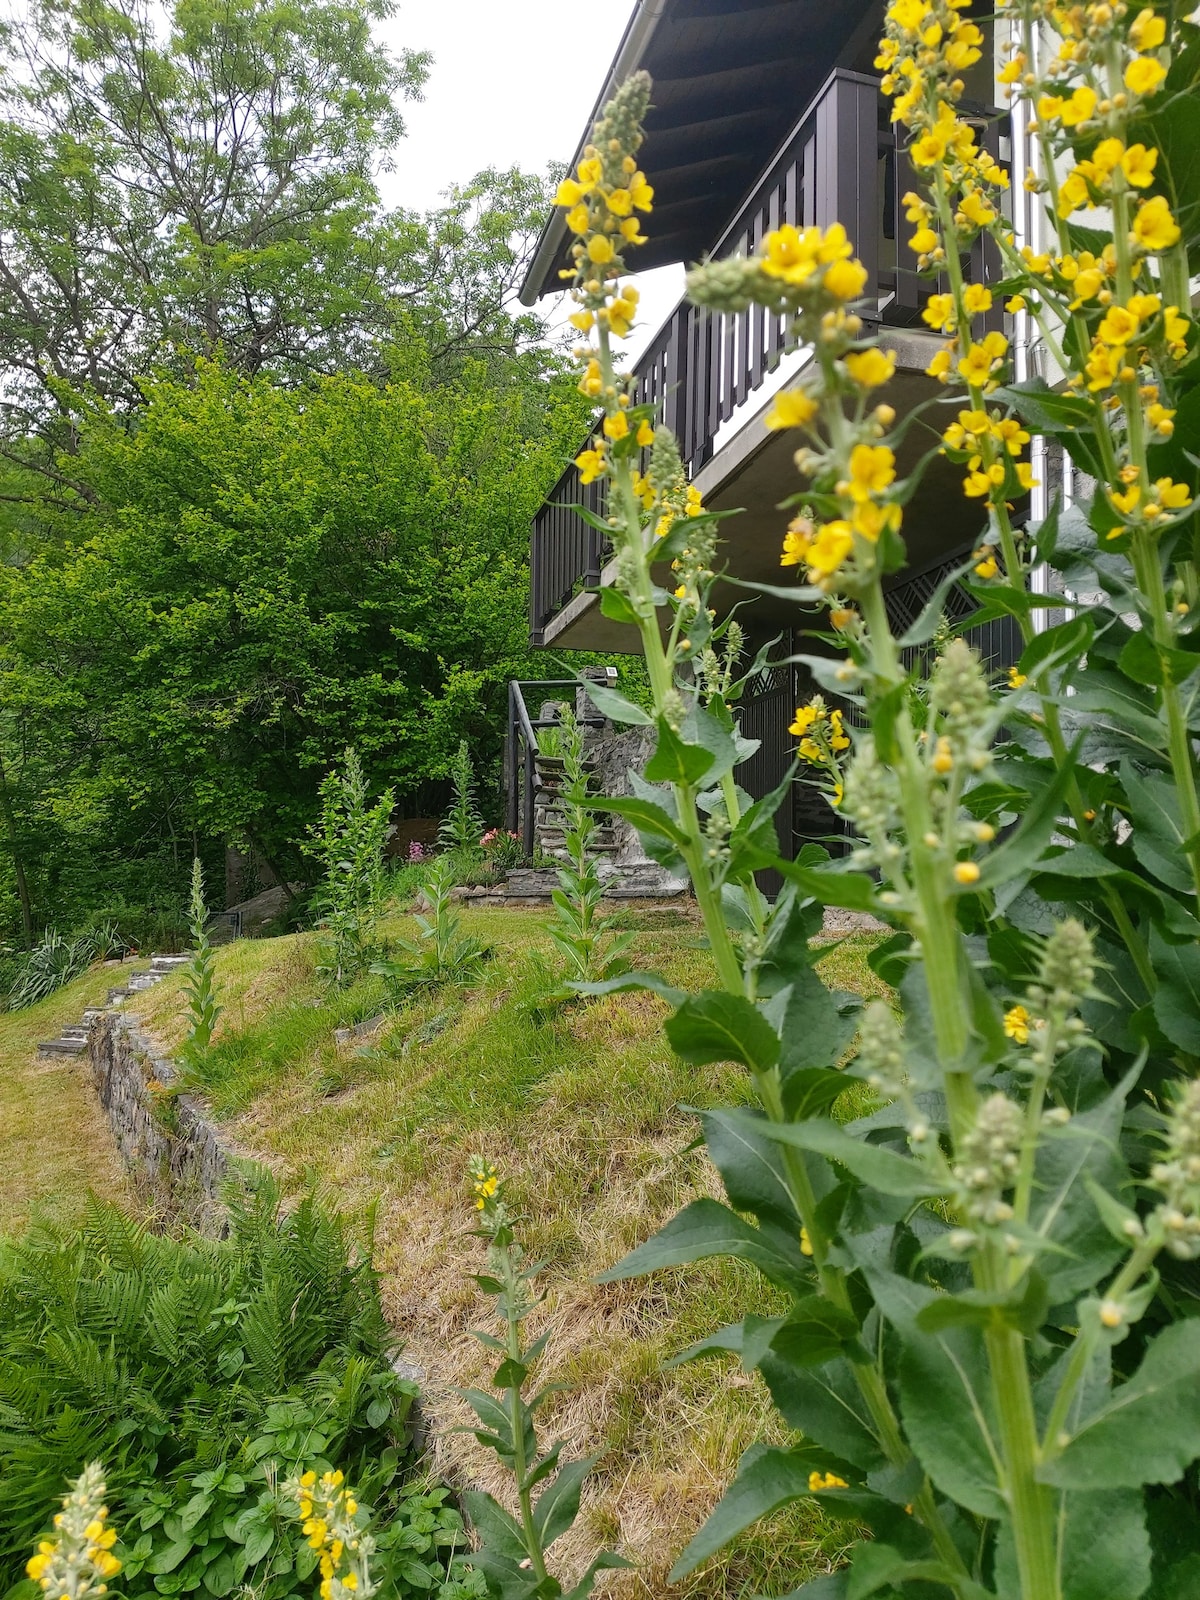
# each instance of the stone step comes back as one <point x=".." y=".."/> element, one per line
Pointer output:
<point x="77" y="1030"/>
<point x="61" y="1047"/>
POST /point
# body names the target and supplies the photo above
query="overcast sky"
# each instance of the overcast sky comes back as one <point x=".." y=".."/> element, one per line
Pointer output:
<point x="512" y="84"/>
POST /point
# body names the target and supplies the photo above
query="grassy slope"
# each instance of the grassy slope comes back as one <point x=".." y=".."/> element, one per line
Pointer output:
<point x="55" y="1142"/>
<point x="582" y="1114"/>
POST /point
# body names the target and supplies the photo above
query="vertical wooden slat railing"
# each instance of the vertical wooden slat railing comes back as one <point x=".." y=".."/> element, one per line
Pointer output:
<point x="841" y="163"/>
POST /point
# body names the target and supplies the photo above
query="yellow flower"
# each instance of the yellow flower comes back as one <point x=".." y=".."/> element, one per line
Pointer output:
<point x="1144" y="74"/>
<point x="966" y="872"/>
<point x="1016" y="1024"/>
<point x="631" y="230"/>
<point x="975" y="209"/>
<point x="939" y="367"/>
<point x="579" y="218"/>
<point x="1171" y="494"/>
<point x="641" y="193"/>
<point x="600" y="249"/>
<point x="872" y="469"/>
<point x="806" y="1248"/>
<point x="791" y="255"/>
<point x="592" y="382"/>
<point x="584" y="321"/>
<point x="1107" y="156"/>
<point x="619" y="202"/>
<point x="1016" y="680"/>
<point x="830" y="548"/>
<point x="792" y="409"/>
<point x="590" y="172"/>
<point x="845" y="279"/>
<point x="871" y="369"/>
<point x="797" y="542"/>
<point x="827" y="1480"/>
<point x="908" y="14"/>
<point x="1138" y="165"/>
<point x="616" y="427"/>
<point x="1126" y="501"/>
<point x="870" y="518"/>
<point x="1079" y="107"/>
<point x="1025" y="477"/>
<point x="804" y="719"/>
<point x="837" y="733"/>
<point x="1161" y="420"/>
<point x="976" y="366"/>
<point x="1147" y="31"/>
<point x="1154" y="228"/>
<point x="1175" y="329"/>
<point x="591" y="465"/>
<point x="939" y="312"/>
<point x="1103" y="365"/>
<point x="1118" y="326"/>
<point x="988" y="567"/>
<point x="645" y="434"/>
<point x="977" y="298"/>
<point x="569" y="193"/>
<point x="923" y="241"/>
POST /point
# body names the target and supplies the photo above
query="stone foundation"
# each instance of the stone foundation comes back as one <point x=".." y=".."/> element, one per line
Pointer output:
<point x="172" y="1148"/>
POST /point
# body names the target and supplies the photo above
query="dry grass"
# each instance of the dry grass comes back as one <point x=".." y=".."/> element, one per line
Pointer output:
<point x="56" y="1144"/>
<point x="582" y="1113"/>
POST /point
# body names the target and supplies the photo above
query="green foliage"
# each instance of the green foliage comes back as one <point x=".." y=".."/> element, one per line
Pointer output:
<point x="294" y="572"/>
<point x="55" y="961"/>
<point x="198" y="985"/>
<point x="462" y="826"/>
<point x="593" y="953"/>
<point x="349" y="843"/>
<point x="512" y="1553"/>
<point x="201" y="1373"/>
<point x="443" y="953"/>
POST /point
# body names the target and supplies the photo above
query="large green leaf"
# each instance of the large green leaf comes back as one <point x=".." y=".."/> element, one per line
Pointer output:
<point x="853" y="890"/>
<point x="1103" y="1544"/>
<point x="1177" y="997"/>
<point x="1149" y="1429"/>
<point x="945" y="1397"/>
<point x="751" y="1165"/>
<point x="675" y="761"/>
<point x="558" y="1504"/>
<point x="1158" y="836"/>
<point x="706" y="1228"/>
<point x="1063" y="1211"/>
<point x="616" y="707"/>
<point x="766" y="1481"/>
<point x="716" y="1026"/>
<point x="875" y="1165"/>
<point x="825" y="1404"/>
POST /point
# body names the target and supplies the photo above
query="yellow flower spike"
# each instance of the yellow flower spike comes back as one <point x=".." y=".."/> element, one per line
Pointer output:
<point x="966" y="873"/>
<point x="871" y="369"/>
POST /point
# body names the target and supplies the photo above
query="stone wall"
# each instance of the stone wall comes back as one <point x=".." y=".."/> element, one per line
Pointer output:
<point x="174" y="1152"/>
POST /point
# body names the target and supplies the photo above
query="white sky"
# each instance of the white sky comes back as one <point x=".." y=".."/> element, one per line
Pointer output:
<point x="512" y="84"/>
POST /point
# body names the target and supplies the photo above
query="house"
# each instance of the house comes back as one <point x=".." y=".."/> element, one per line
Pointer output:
<point x="765" y="112"/>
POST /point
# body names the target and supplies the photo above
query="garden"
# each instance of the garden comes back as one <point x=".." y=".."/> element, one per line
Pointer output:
<point x="727" y="1257"/>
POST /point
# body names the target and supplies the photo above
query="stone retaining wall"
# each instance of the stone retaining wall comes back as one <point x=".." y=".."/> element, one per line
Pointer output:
<point x="173" y="1150"/>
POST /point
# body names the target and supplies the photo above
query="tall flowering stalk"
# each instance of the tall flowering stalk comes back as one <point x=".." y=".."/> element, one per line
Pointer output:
<point x="77" y="1562"/>
<point x="978" y="1347"/>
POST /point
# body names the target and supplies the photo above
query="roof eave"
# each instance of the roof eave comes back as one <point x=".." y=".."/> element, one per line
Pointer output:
<point x="637" y="35"/>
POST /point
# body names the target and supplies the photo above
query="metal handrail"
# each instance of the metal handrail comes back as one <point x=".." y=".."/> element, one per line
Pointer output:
<point x="520" y="750"/>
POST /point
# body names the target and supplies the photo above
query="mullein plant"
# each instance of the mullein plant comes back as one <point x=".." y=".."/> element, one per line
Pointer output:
<point x="512" y="1551"/>
<point x="592" y="951"/>
<point x="987" y="1352"/>
<point x="199" y="986"/>
<point x="76" y="1561"/>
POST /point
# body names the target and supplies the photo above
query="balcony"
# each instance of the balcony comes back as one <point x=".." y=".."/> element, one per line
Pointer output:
<point x="705" y="370"/>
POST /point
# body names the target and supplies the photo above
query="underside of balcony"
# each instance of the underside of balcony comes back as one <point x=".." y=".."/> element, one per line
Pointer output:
<point x="754" y="472"/>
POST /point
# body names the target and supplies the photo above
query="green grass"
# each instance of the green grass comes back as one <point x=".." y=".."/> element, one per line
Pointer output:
<point x="580" y="1108"/>
<point x="56" y="1143"/>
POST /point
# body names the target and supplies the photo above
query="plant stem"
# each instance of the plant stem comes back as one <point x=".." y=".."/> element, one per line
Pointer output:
<point x="516" y="1414"/>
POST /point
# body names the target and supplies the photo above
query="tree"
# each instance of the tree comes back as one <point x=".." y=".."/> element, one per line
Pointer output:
<point x="261" y="577"/>
<point x="187" y="181"/>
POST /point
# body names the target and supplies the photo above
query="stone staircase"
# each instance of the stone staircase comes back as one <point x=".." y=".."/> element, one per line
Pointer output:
<point x="73" y="1040"/>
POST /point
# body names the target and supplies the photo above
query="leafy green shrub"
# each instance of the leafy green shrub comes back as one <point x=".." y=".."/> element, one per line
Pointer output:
<point x="350" y="839"/>
<point x="55" y="961"/>
<point x="202" y="1373"/>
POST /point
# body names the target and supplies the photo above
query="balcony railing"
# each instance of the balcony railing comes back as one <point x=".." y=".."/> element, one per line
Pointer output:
<point x="841" y="163"/>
